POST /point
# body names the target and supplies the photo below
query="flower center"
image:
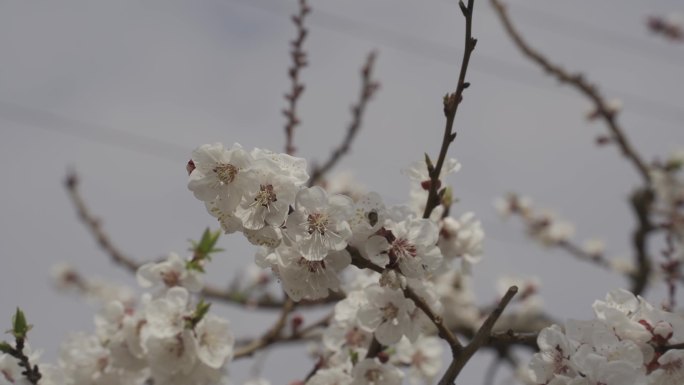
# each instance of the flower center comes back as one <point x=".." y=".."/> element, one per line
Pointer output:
<point x="401" y="247"/>
<point x="225" y="172"/>
<point x="311" y="266"/>
<point x="373" y="375"/>
<point x="355" y="338"/>
<point x="170" y="278"/>
<point x="389" y="312"/>
<point x="317" y="222"/>
<point x="265" y="196"/>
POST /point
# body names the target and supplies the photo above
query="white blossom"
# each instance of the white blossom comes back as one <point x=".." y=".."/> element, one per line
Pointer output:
<point x="371" y="372"/>
<point x="220" y="173"/>
<point x="411" y="245"/>
<point x="332" y="376"/>
<point x="423" y="357"/>
<point x="311" y="279"/>
<point x="214" y="341"/>
<point x="319" y="223"/>
<point x="387" y="314"/>
<point x="462" y="238"/>
<point x="169" y="273"/>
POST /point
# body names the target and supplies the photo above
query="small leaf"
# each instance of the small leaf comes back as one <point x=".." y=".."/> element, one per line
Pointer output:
<point x="201" y="310"/>
<point x="19" y="325"/>
<point x="5" y="347"/>
<point x="354" y="356"/>
<point x="447" y="196"/>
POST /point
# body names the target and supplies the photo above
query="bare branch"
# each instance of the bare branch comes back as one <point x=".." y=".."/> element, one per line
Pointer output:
<point x="451" y="103"/>
<point x="237" y="297"/>
<point x="271" y="336"/>
<point x="436" y="319"/>
<point x="298" y="56"/>
<point x="444" y="332"/>
<point x="368" y="88"/>
<point x="642" y="201"/>
<point x="481" y="338"/>
<point x="577" y="81"/>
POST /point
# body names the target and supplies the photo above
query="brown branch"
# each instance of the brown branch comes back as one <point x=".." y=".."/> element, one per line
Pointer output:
<point x="582" y="255"/>
<point x="237" y="297"/>
<point x="509" y="338"/>
<point x="641" y="200"/>
<point x="663" y="349"/>
<point x="451" y="103"/>
<point x="482" y="336"/>
<point x="31" y="372"/>
<point x="588" y="89"/>
<point x="95" y="226"/>
<point x="368" y="89"/>
<point x="298" y="56"/>
<point x="273" y="335"/>
<point x="444" y="332"/>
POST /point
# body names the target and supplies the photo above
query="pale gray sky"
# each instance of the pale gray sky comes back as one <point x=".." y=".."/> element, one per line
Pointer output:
<point x="193" y="72"/>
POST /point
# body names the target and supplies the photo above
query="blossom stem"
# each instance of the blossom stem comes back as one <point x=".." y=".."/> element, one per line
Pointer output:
<point x="368" y="89"/>
<point x="451" y="103"/>
<point x="480" y="339"/>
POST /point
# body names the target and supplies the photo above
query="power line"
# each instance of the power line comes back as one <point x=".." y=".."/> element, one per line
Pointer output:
<point x="101" y="134"/>
<point x="446" y="53"/>
<point x="590" y="33"/>
<point x="593" y="34"/>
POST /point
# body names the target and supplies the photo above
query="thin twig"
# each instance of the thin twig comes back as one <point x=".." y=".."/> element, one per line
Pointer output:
<point x="482" y="336"/>
<point x="237" y="297"/>
<point x="271" y="336"/>
<point x="368" y="88"/>
<point x="588" y="89"/>
<point x="451" y="103"/>
<point x="31" y="372"/>
<point x="444" y="332"/>
<point x="301" y="335"/>
<point x="298" y="56"/>
<point x="641" y="200"/>
<point x="579" y="253"/>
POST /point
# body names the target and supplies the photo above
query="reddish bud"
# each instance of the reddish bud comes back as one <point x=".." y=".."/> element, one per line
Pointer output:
<point x="297" y="322"/>
<point x="383" y="357"/>
<point x="190" y="167"/>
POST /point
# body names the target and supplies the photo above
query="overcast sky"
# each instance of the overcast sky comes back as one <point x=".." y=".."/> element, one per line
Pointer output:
<point x="122" y="91"/>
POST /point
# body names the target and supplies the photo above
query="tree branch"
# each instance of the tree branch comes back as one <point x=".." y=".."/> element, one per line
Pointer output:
<point x="444" y="332"/>
<point x="368" y="89"/>
<point x="451" y="103"/>
<point x="271" y="336"/>
<point x="236" y="297"/>
<point x="482" y="336"/>
<point x="577" y="81"/>
<point x="298" y="56"/>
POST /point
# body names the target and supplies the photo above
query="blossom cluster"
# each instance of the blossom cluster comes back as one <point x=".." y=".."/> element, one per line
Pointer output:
<point x="309" y="237"/>
<point x="307" y="233"/>
<point x="629" y="342"/>
<point x="165" y="338"/>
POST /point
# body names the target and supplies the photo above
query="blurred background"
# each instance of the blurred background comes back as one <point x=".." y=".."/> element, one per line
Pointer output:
<point x="122" y="91"/>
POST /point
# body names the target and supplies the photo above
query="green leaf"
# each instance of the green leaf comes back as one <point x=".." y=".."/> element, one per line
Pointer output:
<point x="202" y="251"/>
<point x="201" y="310"/>
<point x="354" y="356"/>
<point x="19" y="325"/>
<point x="447" y="196"/>
<point x="5" y="347"/>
